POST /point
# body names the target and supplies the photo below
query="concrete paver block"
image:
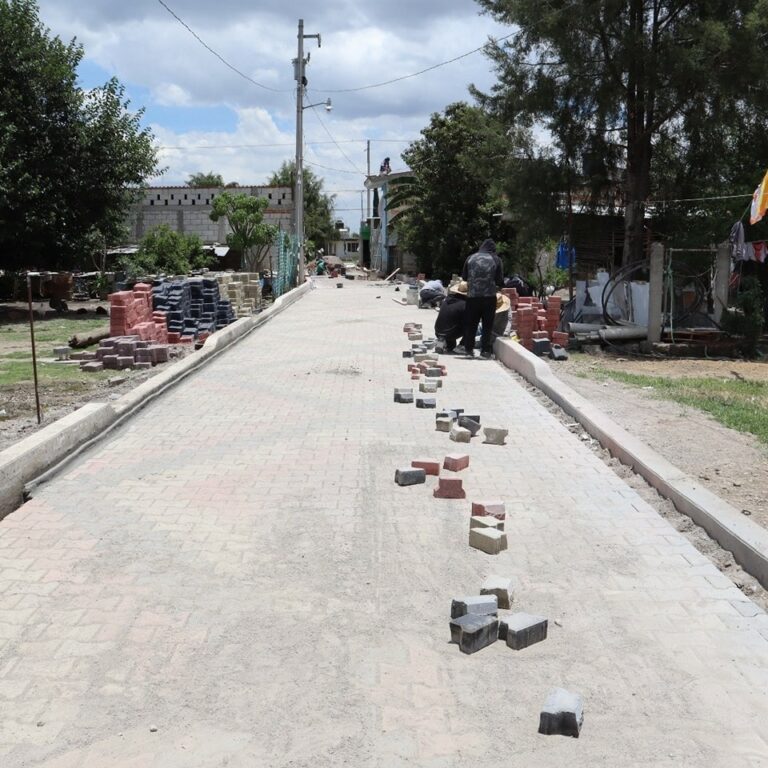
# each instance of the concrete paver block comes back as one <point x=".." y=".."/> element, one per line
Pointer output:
<point x="470" y="424"/>
<point x="486" y="521"/>
<point x="500" y="586"/>
<point x="488" y="540"/>
<point x="443" y="425"/>
<point x="563" y="714"/>
<point x="430" y="466"/>
<point x="522" y="629"/>
<point x="433" y="373"/>
<point x="410" y="476"/>
<point x="480" y="605"/>
<point x="494" y="508"/>
<point x="455" y="462"/>
<point x="445" y="415"/>
<point x="62" y="353"/>
<point x="473" y="633"/>
<point x="407" y="353"/>
<point x="92" y="367"/>
<point x="494" y="436"/>
<point x="426" y="402"/>
<point x="460" y="434"/>
<point x="404" y="395"/>
<point x="428" y="387"/>
<point x="415" y="337"/>
<point x="450" y="488"/>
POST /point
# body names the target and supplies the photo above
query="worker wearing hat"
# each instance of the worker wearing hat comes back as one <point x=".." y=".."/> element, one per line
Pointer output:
<point x="451" y="320"/>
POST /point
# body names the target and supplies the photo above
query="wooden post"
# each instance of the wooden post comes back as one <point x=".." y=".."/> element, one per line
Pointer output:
<point x="656" y="293"/>
<point x="722" y="280"/>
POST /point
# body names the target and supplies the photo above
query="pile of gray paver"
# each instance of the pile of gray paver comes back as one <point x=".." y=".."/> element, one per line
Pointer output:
<point x="478" y="620"/>
<point x="118" y="353"/>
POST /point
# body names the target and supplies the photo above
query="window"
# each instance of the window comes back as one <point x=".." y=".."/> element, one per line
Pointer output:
<point x="193" y="202"/>
<point x="158" y="197"/>
<point x="270" y="195"/>
<point x="198" y="195"/>
<point x="166" y="202"/>
<point x="151" y="202"/>
<point x="171" y="197"/>
<point x="279" y="202"/>
<point x="207" y="201"/>
<point x="185" y="197"/>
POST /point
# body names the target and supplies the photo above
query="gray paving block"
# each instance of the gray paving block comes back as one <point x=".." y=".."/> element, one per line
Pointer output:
<point x="410" y="476"/>
<point x="481" y="605"/>
<point x="470" y="424"/>
<point x="428" y="386"/>
<point x="460" y="434"/>
<point x="522" y="629"/>
<point x="443" y="425"/>
<point x="433" y="373"/>
<point x="488" y="540"/>
<point x="495" y="436"/>
<point x="563" y="714"/>
<point x="486" y="521"/>
<point x="500" y="586"/>
<point x="473" y="632"/>
<point x="403" y="395"/>
<point x="426" y="402"/>
<point x="407" y="353"/>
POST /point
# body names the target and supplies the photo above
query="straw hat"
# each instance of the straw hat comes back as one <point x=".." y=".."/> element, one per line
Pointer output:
<point x="461" y="288"/>
<point x="502" y="303"/>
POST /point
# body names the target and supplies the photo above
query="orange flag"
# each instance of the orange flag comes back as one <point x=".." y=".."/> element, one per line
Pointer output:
<point x="759" y="201"/>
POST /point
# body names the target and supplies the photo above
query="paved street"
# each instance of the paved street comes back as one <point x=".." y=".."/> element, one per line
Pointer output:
<point x="234" y="579"/>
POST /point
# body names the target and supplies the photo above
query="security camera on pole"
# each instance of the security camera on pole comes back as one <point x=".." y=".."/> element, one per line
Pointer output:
<point x="301" y="83"/>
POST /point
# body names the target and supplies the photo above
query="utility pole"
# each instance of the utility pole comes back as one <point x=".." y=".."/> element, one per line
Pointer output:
<point x="368" y="191"/>
<point x="298" y="202"/>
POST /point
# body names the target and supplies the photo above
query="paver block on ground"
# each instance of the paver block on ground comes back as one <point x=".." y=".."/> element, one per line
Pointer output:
<point x="486" y="521"/>
<point x="481" y="605"/>
<point x="460" y="434"/>
<point x="495" y="436"/>
<point x="410" y="476"/>
<point x="500" y="586"/>
<point x="488" y="540"/>
<point x="494" y="508"/>
<point x="563" y="714"/>
<point x="522" y="629"/>
<point x="455" y="462"/>
<point x="473" y="633"/>
<point x="449" y="488"/>
<point x="430" y="466"/>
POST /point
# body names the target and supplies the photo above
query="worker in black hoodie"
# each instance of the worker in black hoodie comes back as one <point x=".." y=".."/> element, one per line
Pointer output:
<point x="484" y="275"/>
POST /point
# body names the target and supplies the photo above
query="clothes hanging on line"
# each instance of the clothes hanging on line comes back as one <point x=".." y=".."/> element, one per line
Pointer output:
<point x="753" y="251"/>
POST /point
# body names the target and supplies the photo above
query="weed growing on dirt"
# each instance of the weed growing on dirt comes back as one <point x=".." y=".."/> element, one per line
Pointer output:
<point x="13" y="373"/>
<point x="740" y="404"/>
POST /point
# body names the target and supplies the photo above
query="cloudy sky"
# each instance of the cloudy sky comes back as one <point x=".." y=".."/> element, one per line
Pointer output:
<point x="207" y="117"/>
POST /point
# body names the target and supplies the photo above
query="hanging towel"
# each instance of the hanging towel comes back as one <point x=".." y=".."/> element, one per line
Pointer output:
<point x="759" y="201"/>
<point x="759" y="251"/>
<point x="736" y="239"/>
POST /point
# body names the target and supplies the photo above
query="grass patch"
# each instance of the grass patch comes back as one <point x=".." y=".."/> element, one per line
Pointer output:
<point x="735" y="403"/>
<point x="52" y="330"/>
<point x="14" y="372"/>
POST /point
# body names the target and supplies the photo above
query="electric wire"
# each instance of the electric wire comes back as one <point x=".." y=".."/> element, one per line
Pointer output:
<point x="333" y="139"/>
<point x="216" y="53"/>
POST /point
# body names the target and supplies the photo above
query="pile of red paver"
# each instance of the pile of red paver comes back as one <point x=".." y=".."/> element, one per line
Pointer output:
<point x="131" y="314"/>
<point x="535" y="323"/>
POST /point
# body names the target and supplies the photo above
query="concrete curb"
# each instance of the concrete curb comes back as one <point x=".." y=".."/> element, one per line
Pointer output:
<point x="32" y="461"/>
<point x="745" y="539"/>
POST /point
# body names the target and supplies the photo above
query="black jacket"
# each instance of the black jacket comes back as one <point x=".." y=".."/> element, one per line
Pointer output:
<point x="450" y="319"/>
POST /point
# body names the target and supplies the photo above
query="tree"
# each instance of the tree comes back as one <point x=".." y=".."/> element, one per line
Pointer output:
<point x="70" y="161"/>
<point x="318" y="206"/>
<point x="209" y="179"/>
<point x="617" y="82"/>
<point x="450" y="199"/>
<point x="250" y="235"/>
<point x="165" y="251"/>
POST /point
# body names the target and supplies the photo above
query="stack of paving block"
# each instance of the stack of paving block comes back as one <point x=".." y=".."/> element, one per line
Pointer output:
<point x="119" y="352"/>
<point x="536" y="325"/>
<point x="131" y="314"/>
<point x="193" y="307"/>
<point x="243" y="289"/>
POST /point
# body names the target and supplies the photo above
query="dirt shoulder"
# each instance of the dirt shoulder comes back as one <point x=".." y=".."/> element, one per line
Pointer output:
<point x="731" y="464"/>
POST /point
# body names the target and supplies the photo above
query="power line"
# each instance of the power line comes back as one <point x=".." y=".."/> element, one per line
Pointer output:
<point x="330" y="136"/>
<point x="252" y="146"/>
<point x="337" y="170"/>
<point x="215" y="53"/>
<point x="698" y="199"/>
<point x="421" y="71"/>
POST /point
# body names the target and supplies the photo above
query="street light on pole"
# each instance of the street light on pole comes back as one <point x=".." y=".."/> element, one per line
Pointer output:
<point x="301" y="83"/>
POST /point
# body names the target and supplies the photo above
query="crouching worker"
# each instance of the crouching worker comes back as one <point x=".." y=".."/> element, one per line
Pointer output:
<point x="451" y="321"/>
<point x="431" y="294"/>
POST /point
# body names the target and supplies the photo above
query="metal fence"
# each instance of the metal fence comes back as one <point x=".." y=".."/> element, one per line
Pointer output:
<point x="287" y="263"/>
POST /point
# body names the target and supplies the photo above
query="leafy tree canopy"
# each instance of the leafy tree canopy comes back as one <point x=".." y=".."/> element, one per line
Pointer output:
<point x="71" y="162"/>
<point x="641" y="97"/>
<point x="251" y="235"/>
<point x="209" y="179"/>
<point x="450" y="200"/>
<point x="318" y="206"/>
<point x="165" y="251"/>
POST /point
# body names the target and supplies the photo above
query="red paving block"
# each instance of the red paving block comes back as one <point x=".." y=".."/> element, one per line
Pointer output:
<point x="430" y="466"/>
<point x="493" y="508"/>
<point x="449" y="488"/>
<point x="455" y="462"/>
